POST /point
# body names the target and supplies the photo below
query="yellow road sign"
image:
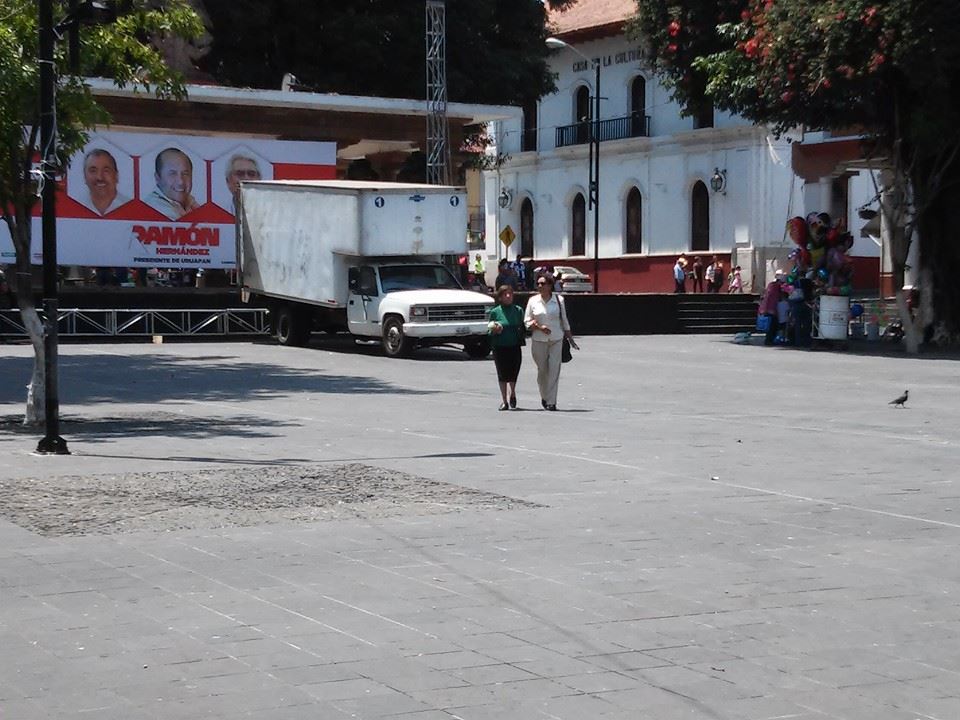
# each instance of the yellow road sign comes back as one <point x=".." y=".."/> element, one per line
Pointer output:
<point x="507" y="236"/>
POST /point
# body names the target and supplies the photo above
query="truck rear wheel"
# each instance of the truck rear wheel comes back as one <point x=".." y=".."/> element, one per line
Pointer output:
<point x="395" y="342"/>
<point x="478" y="349"/>
<point x="293" y="326"/>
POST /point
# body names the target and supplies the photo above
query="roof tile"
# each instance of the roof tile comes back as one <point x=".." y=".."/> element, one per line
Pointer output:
<point x="589" y="14"/>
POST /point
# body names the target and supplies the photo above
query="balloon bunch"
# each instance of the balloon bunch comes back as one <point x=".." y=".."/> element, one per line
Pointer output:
<point x="821" y="254"/>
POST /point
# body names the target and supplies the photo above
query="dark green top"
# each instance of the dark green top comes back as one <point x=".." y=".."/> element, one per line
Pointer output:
<point x="511" y="317"/>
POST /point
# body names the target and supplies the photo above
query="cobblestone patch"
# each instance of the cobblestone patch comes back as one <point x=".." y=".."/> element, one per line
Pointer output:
<point x="207" y="499"/>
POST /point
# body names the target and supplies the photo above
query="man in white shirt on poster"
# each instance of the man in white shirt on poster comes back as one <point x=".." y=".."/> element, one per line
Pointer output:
<point x="101" y="176"/>
<point x="174" y="176"/>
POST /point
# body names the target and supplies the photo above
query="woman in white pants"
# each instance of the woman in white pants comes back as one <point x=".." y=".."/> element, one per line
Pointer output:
<point x="546" y="318"/>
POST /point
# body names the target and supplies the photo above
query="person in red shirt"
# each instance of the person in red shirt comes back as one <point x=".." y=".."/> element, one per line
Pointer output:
<point x="768" y="306"/>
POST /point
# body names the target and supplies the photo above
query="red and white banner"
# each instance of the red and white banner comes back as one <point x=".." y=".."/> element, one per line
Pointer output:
<point x="152" y="200"/>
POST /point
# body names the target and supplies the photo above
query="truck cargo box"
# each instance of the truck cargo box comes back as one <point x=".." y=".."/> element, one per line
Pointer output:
<point x="296" y="236"/>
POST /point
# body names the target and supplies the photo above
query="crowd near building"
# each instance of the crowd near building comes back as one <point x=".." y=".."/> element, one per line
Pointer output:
<point x="710" y="184"/>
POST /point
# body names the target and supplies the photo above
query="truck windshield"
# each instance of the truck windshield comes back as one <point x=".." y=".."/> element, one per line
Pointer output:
<point x="416" y="277"/>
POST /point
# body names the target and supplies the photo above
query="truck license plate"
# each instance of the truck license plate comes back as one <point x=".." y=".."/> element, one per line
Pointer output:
<point x="463" y="331"/>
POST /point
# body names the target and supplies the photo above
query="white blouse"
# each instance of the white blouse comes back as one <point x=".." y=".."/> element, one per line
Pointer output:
<point x="547" y="314"/>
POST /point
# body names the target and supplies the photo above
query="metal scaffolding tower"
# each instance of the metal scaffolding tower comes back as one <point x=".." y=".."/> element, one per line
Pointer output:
<point x="438" y="133"/>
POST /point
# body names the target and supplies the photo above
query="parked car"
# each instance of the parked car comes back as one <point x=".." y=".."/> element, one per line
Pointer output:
<point x="573" y="280"/>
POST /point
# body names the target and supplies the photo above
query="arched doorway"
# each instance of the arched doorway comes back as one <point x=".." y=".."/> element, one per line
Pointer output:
<point x="578" y="226"/>
<point x="526" y="228"/>
<point x="638" y="107"/>
<point x="581" y="112"/>
<point x="700" y="218"/>
<point x="634" y="221"/>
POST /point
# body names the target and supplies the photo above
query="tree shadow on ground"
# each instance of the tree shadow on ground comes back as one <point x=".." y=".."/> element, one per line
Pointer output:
<point x="111" y="378"/>
<point x="858" y="347"/>
<point x="270" y="462"/>
<point x="156" y="424"/>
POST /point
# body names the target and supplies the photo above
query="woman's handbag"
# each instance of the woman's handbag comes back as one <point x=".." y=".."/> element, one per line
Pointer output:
<point x="565" y="354"/>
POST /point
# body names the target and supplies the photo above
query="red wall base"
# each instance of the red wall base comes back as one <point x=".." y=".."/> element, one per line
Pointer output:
<point x="639" y="274"/>
<point x="654" y="273"/>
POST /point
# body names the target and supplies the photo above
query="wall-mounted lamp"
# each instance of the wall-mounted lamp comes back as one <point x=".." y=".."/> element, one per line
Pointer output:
<point x="505" y="200"/>
<point x="718" y="181"/>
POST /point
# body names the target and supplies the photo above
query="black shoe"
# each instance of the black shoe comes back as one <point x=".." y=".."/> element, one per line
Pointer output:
<point x="504" y="406"/>
<point x="513" y="402"/>
<point x="544" y="403"/>
<point x="552" y="408"/>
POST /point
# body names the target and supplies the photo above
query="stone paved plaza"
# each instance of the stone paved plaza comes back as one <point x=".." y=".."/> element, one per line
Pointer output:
<point x="705" y="531"/>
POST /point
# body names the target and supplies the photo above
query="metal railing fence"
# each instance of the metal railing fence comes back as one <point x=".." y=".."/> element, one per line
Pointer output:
<point x="117" y="322"/>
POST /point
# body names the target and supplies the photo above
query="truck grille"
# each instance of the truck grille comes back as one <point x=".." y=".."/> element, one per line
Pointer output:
<point x="456" y="313"/>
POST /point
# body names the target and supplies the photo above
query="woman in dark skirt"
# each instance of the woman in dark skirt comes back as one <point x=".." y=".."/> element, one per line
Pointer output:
<point x="507" y="335"/>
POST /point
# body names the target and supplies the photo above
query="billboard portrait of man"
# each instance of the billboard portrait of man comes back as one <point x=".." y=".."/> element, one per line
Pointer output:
<point x="240" y="168"/>
<point x="238" y="164"/>
<point x="173" y="172"/>
<point x="101" y="177"/>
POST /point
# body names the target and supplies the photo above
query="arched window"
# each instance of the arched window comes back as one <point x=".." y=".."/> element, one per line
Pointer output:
<point x="581" y="111"/>
<point x="634" y="221"/>
<point x="526" y="228"/>
<point x="638" y="107"/>
<point x="529" y="142"/>
<point x="578" y="226"/>
<point x="700" y="218"/>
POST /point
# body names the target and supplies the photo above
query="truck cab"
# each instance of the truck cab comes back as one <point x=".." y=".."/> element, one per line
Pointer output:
<point x="412" y="302"/>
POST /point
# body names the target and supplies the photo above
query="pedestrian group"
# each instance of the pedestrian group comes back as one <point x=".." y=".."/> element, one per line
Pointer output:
<point x="708" y="278"/>
<point x="545" y="321"/>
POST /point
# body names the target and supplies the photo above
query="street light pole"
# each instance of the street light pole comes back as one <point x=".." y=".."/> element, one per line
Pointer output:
<point x="51" y="443"/>
<point x="593" y="163"/>
<point x="595" y="182"/>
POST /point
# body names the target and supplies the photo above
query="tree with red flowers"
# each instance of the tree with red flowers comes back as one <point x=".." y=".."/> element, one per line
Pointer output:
<point x="888" y="68"/>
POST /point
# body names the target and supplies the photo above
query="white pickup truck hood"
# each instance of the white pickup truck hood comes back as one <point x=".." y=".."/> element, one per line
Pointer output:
<point x="439" y="297"/>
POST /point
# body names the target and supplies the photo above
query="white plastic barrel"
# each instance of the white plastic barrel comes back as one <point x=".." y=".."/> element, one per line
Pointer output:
<point x="834" y="317"/>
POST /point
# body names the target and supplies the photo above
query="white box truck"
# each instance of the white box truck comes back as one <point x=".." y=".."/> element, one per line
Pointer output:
<point x="363" y="257"/>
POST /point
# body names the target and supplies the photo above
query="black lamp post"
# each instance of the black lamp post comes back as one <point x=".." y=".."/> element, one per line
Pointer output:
<point x="86" y="12"/>
<point x="593" y="186"/>
<point x="51" y="443"/>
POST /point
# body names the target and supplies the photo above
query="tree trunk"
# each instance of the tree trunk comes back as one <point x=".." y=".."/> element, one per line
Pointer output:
<point x="912" y="329"/>
<point x="899" y="233"/>
<point x="36" y="391"/>
<point x="940" y="258"/>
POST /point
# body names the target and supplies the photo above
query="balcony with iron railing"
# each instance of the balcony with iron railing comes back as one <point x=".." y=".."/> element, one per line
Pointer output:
<point x="631" y="126"/>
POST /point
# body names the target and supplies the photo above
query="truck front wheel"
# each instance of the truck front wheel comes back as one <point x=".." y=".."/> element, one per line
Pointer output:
<point x="478" y="349"/>
<point x="292" y="326"/>
<point x="395" y="342"/>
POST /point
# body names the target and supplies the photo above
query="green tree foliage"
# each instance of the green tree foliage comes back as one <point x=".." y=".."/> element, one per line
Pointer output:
<point x="122" y="51"/>
<point x="495" y="48"/>
<point x="890" y="69"/>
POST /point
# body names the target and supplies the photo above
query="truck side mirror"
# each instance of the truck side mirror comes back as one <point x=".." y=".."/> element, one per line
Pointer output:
<point x="353" y="280"/>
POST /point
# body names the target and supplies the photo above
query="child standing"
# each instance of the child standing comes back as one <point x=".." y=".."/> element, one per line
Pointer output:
<point x="736" y="282"/>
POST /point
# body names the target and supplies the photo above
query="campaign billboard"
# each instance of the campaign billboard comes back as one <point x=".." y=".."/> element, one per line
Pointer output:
<point x="159" y="200"/>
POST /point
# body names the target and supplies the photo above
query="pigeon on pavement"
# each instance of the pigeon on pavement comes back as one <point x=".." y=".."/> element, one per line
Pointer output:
<point x="900" y="400"/>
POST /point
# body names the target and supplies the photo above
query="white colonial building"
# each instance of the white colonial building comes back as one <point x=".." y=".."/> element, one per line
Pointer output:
<point x="656" y="198"/>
